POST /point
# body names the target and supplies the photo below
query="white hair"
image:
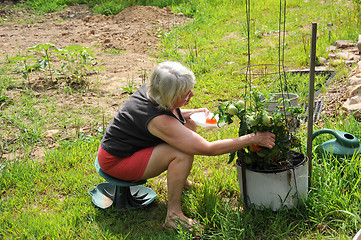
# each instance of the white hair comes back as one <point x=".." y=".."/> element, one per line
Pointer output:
<point x="168" y="82"/>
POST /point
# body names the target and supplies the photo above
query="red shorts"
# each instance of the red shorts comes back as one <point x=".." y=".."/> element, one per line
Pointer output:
<point x="129" y="168"/>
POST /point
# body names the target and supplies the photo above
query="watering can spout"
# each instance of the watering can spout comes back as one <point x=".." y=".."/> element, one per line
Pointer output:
<point x="345" y="143"/>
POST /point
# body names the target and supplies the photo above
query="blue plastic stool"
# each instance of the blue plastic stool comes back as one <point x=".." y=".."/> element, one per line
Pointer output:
<point x="122" y="195"/>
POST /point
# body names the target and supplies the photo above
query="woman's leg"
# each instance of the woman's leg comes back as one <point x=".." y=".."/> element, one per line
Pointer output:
<point x="178" y="166"/>
<point x="192" y="126"/>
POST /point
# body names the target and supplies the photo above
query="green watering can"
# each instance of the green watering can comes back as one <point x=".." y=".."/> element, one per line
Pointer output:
<point x="345" y="143"/>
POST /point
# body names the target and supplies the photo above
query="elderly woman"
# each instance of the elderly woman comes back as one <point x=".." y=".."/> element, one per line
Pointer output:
<point x="151" y="134"/>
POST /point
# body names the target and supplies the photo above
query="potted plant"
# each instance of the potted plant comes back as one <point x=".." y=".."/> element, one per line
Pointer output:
<point x="274" y="177"/>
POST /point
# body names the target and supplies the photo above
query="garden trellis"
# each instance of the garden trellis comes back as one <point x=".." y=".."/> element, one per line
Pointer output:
<point x="274" y="74"/>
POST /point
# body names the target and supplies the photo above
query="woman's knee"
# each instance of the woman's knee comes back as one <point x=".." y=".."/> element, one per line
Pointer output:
<point x="162" y="157"/>
<point x="169" y="154"/>
<point x="184" y="157"/>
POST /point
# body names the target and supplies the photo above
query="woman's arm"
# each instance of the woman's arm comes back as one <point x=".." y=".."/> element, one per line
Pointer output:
<point x="175" y="134"/>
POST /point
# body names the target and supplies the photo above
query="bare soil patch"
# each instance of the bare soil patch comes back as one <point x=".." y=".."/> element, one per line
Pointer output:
<point x="133" y="33"/>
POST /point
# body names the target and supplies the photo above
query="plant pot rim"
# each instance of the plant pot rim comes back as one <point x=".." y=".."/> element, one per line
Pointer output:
<point x="304" y="159"/>
<point x="287" y="95"/>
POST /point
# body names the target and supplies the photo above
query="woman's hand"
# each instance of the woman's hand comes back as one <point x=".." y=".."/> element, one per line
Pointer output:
<point x="264" y="139"/>
<point x="188" y="112"/>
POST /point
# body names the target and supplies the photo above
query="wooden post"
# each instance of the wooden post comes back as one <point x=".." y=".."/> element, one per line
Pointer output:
<point x="311" y="100"/>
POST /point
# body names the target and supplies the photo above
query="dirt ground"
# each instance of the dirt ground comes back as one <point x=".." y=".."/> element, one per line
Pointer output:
<point x="133" y="33"/>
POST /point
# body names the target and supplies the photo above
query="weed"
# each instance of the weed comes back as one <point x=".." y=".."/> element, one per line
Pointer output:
<point x="132" y="86"/>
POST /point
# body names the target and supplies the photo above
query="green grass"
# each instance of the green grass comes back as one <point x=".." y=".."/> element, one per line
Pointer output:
<point x="46" y="197"/>
<point x="106" y="7"/>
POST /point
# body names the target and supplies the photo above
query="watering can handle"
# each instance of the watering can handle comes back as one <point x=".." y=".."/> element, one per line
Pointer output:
<point x="344" y="138"/>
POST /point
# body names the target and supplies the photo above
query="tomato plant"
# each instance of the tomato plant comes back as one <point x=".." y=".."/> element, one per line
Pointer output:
<point x="254" y="116"/>
<point x="255" y="148"/>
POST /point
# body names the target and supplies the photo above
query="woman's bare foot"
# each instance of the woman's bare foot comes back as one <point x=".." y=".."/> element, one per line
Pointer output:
<point x="176" y="222"/>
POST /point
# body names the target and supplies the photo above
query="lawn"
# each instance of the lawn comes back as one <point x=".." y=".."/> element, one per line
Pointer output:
<point x="48" y="142"/>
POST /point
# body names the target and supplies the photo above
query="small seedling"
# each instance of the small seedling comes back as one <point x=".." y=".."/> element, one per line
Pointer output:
<point x="72" y="64"/>
<point x="45" y="61"/>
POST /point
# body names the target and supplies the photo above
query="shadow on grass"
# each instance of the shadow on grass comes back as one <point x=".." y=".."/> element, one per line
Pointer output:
<point x="144" y="223"/>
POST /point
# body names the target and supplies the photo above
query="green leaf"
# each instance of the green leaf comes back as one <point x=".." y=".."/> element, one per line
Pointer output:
<point x="231" y="157"/>
<point x="43" y="63"/>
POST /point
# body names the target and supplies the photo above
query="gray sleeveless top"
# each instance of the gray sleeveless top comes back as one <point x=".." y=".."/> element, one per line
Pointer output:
<point x="128" y="132"/>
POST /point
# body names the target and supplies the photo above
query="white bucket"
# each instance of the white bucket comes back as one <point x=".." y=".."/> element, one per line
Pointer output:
<point x="276" y="190"/>
<point x="273" y="103"/>
<point x="357" y="236"/>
